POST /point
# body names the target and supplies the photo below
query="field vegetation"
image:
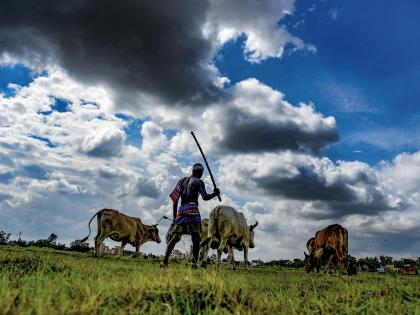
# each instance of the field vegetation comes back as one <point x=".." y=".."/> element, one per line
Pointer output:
<point x="48" y="281"/>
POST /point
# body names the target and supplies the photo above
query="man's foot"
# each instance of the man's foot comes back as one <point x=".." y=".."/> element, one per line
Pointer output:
<point x="163" y="264"/>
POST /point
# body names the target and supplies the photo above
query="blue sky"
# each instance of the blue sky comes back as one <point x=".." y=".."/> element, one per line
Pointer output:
<point x="308" y="111"/>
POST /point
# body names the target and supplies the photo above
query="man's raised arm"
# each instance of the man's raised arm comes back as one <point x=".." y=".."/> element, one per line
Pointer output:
<point x="204" y="193"/>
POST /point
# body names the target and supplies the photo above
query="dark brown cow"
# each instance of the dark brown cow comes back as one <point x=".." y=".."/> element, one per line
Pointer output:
<point x="329" y="245"/>
<point x="122" y="228"/>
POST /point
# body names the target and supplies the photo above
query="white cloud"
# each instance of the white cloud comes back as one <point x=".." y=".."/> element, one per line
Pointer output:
<point x="103" y="143"/>
<point x="257" y="21"/>
<point x="153" y="137"/>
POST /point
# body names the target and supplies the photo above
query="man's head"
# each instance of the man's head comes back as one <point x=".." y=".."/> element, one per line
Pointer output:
<point x="197" y="170"/>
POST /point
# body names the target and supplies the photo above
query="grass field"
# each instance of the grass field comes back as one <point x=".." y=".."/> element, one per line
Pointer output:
<point x="41" y="281"/>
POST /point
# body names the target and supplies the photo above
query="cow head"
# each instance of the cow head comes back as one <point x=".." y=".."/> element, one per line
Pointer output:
<point x="309" y="262"/>
<point x="310" y="244"/>
<point x="251" y="234"/>
<point x="153" y="233"/>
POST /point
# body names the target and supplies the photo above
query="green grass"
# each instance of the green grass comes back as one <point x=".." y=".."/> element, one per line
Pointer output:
<point x="41" y="281"/>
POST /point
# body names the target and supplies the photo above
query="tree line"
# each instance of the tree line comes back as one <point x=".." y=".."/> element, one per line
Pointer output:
<point x="49" y="242"/>
<point x="366" y="263"/>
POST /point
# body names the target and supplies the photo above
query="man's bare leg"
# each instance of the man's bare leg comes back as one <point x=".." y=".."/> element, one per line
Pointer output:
<point x="175" y="239"/>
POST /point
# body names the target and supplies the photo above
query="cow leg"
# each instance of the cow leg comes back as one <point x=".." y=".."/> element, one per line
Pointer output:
<point x="99" y="239"/>
<point x="121" y="249"/>
<point x="137" y="249"/>
<point x="231" y="258"/>
<point x="219" y="255"/>
<point x="246" y="256"/>
<point x="342" y="266"/>
<point x="328" y="266"/>
<point x="222" y="246"/>
<point x="203" y="255"/>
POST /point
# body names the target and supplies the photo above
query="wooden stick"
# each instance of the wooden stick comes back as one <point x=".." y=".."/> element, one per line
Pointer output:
<point x="207" y="164"/>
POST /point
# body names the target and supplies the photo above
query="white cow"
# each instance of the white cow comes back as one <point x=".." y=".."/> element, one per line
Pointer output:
<point x="227" y="229"/>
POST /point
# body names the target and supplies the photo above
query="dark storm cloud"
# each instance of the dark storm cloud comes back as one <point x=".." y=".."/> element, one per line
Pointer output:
<point x="247" y="133"/>
<point x="331" y="200"/>
<point x="328" y="190"/>
<point x="146" y="188"/>
<point x="153" y="47"/>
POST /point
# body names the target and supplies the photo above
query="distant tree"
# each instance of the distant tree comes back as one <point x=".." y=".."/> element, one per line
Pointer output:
<point x="398" y="263"/>
<point x="4" y="237"/>
<point x="50" y="242"/>
<point x="371" y="263"/>
<point x="257" y="262"/>
<point x="297" y="263"/>
<point x="79" y="246"/>
<point x="19" y="242"/>
<point x="407" y="261"/>
<point x="52" y="239"/>
<point x="386" y="260"/>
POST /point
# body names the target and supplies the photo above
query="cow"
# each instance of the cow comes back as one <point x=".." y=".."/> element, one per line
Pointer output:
<point x="330" y="246"/>
<point x="227" y="229"/>
<point x="122" y="228"/>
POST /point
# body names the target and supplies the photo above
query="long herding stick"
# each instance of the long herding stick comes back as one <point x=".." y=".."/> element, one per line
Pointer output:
<point x="207" y="164"/>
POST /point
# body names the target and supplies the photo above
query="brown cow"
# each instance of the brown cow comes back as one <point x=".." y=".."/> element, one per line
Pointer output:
<point x="329" y="245"/>
<point x="122" y="228"/>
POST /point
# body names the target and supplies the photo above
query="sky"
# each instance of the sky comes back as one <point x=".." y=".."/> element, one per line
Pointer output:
<point x="308" y="112"/>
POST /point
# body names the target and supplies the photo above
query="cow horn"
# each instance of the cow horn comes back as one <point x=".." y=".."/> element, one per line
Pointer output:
<point x="253" y="226"/>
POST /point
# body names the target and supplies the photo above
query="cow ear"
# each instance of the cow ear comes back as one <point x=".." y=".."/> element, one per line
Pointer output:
<point x="306" y="255"/>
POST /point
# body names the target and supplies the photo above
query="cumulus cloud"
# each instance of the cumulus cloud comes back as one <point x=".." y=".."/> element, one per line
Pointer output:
<point x="257" y="21"/>
<point x="153" y="138"/>
<point x="334" y="190"/>
<point x="104" y="143"/>
<point x="259" y="119"/>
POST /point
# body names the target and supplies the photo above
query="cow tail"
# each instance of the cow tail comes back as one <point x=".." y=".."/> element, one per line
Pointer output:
<point x="96" y="214"/>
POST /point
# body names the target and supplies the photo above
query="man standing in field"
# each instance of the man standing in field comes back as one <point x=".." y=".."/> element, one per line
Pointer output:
<point x="187" y="219"/>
